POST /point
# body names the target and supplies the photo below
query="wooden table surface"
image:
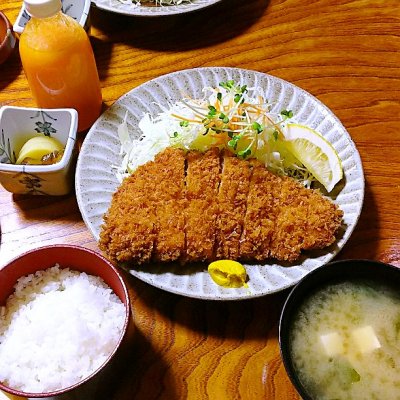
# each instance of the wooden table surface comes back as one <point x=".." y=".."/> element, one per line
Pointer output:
<point x="347" y="54"/>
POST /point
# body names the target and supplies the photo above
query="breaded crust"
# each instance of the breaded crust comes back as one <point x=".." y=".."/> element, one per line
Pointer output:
<point x="305" y="220"/>
<point x="128" y="232"/>
<point x="259" y="220"/>
<point x="169" y="197"/>
<point x="202" y="182"/>
<point x="204" y="206"/>
<point x="232" y="199"/>
<point x="143" y="222"/>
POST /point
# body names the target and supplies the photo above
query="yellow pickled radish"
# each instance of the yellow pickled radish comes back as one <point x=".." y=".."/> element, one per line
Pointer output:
<point x="37" y="147"/>
<point x="228" y="273"/>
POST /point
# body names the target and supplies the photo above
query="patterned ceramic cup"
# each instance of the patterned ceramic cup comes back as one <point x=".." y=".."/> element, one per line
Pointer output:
<point x="19" y="124"/>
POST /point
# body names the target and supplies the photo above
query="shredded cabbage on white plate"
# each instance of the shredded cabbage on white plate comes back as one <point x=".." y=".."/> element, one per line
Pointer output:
<point x="230" y="116"/>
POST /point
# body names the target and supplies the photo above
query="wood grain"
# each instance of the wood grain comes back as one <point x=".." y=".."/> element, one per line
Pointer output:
<point x="347" y="54"/>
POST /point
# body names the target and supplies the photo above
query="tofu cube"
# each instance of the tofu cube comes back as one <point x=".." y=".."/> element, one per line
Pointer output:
<point x="332" y="343"/>
<point x="365" y="339"/>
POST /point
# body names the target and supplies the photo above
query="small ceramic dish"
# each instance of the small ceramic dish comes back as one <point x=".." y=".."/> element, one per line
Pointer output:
<point x="19" y="124"/>
<point x="7" y="38"/>
<point x="77" y="9"/>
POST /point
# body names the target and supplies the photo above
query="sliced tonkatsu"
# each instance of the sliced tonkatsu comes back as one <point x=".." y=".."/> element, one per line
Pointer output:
<point x="232" y="199"/>
<point x="194" y="207"/>
<point x="168" y="197"/>
<point x="259" y="220"/>
<point x="128" y="232"/>
<point x="145" y="221"/>
<point x="201" y="212"/>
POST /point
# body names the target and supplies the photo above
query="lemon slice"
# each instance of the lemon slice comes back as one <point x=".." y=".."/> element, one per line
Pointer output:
<point x="315" y="153"/>
<point x="37" y="147"/>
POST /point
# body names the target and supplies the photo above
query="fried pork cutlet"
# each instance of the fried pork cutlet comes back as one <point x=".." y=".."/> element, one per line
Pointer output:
<point x="168" y="197"/>
<point x="145" y="220"/>
<point x="202" y="182"/>
<point x="260" y="215"/>
<point x="196" y="206"/>
<point x="128" y="232"/>
<point x="283" y="218"/>
<point x="232" y="200"/>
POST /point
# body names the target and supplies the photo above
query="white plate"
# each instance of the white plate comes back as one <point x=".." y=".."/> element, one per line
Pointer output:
<point x="96" y="182"/>
<point x="150" y="11"/>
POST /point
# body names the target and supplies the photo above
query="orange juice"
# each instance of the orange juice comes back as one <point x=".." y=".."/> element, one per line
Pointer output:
<point x="59" y="65"/>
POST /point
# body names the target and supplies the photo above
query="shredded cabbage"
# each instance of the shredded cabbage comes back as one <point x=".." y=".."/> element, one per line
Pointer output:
<point x="232" y="117"/>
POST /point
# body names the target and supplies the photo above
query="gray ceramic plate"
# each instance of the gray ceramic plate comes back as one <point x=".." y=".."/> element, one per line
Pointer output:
<point x="128" y="8"/>
<point x="96" y="182"/>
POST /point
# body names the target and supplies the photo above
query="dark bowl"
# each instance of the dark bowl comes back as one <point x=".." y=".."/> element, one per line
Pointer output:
<point x="331" y="273"/>
<point x="76" y="258"/>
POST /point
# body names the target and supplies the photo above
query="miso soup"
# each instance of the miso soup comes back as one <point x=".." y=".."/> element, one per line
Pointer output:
<point x="345" y="342"/>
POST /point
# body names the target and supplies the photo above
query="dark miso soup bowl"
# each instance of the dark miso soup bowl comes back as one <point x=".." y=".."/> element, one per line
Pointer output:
<point x="331" y="273"/>
<point x="79" y="259"/>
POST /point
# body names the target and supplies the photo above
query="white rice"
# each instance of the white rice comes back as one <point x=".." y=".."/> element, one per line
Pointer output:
<point x="57" y="328"/>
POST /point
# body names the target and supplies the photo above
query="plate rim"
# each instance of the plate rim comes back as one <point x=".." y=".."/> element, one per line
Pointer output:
<point x="201" y="70"/>
<point x="163" y="11"/>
